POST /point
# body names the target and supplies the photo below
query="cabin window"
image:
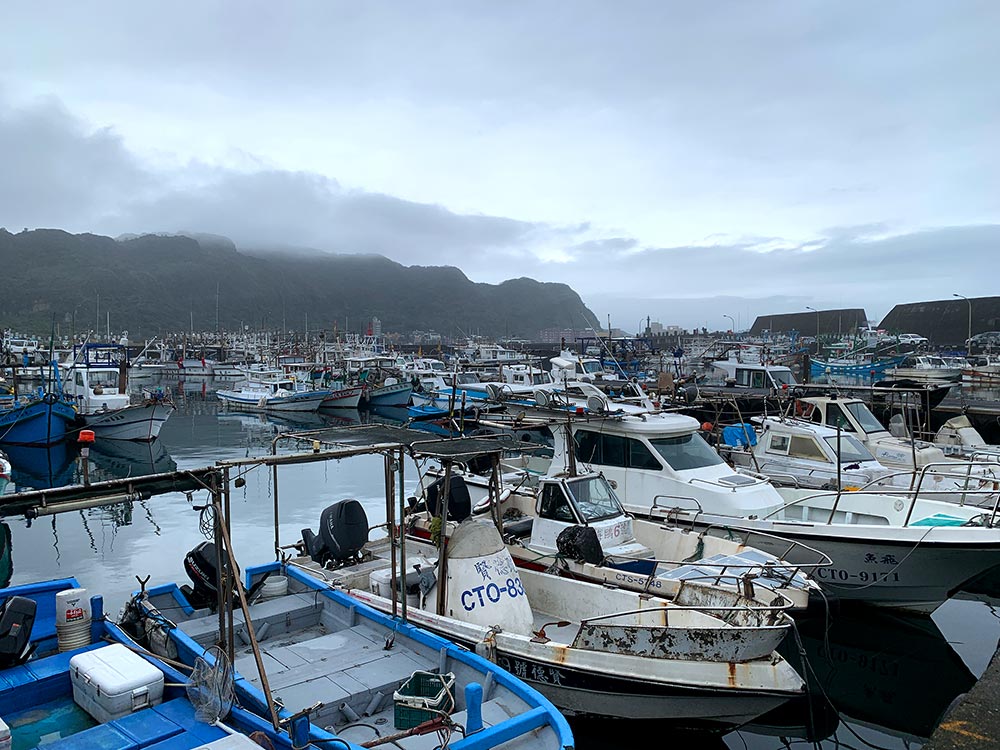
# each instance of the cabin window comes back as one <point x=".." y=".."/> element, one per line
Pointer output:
<point x="757" y="379"/>
<point x="588" y="446"/>
<point x="613" y="450"/>
<point x="79" y="379"/>
<point x="639" y="456"/>
<point x="686" y="452"/>
<point x="804" y="446"/>
<point x="851" y="449"/>
<point x="836" y="418"/>
<point x="868" y="421"/>
<point x="778" y="444"/>
<point x="594" y="498"/>
<point x="555" y="504"/>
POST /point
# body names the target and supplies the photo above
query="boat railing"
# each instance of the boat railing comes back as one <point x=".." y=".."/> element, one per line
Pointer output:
<point x="963" y="474"/>
<point x="778" y="571"/>
<point x="724" y="485"/>
<point x="791" y="479"/>
<point x="989" y="517"/>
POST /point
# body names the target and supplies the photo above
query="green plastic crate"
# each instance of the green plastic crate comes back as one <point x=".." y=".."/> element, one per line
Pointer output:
<point x="422" y="697"/>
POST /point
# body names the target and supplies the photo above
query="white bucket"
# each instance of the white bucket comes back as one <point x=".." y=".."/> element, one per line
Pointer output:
<point x="72" y="606"/>
<point x="273" y="587"/>
<point x="73" y="617"/>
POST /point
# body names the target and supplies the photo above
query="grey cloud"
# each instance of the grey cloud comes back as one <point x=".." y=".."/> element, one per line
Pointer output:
<point x="59" y="173"/>
<point x="56" y="171"/>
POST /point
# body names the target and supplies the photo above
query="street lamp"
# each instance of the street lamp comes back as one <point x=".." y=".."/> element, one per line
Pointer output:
<point x="731" y="320"/>
<point x="968" y="341"/>
<point x="817" y="319"/>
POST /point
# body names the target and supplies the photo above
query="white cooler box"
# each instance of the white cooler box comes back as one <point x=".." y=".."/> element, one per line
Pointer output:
<point x="112" y="682"/>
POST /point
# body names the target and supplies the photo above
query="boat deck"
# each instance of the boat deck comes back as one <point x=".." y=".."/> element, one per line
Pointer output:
<point x="311" y="655"/>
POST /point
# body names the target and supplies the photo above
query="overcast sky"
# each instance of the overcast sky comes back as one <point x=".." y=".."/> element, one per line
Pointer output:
<point x="678" y="160"/>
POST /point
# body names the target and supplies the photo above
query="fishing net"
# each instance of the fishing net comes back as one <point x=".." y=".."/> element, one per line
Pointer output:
<point x="210" y="688"/>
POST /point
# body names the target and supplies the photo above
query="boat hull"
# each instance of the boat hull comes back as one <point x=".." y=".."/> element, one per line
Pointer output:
<point x="345" y="398"/>
<point x="43" y="422"/>
<point x="296" y="402"/>
<point x="910" y="568"/>
<point x="390" y="395"/>
<point x="140" y="422"/>
<point x="703" y="695"/>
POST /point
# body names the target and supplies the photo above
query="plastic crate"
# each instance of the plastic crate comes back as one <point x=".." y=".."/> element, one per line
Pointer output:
<point x="422" y="697"/>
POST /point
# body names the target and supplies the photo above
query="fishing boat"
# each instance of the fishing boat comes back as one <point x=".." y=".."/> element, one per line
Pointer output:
<point x="594" y="651"/>
<point x="96" y="383"/>
<point x="794" y="451"/>
<point x="983" y="370"/>
<point x="70" y="678"/>
<point x="924" y="368"/>
<point x="340" y="396"/>
<point x="272" y="391"/>
<point x="574" y="525"/>
<point x="888" y="549"/>
<point x="359" y="675"/>
<point x="38" y="419"/>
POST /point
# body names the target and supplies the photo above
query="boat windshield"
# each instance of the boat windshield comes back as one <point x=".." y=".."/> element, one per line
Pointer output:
<point x="103" y="378"/>
<point x="782" y="377"/>
<point x="594" y="498"/>
<point x="869" y="423"/>
<point x="851" y="449"/>
<point x="592" y="366"/>
<point x="686" y="452"/>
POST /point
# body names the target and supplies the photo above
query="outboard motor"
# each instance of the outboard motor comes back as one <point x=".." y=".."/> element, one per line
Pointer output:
<point x="199" y="564"/>
<point x="459" y="501"/>
<point x="17" y="617"/>
<point x="343" y="532"/>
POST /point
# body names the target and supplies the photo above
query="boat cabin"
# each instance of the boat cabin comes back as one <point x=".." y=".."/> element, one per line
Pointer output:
<point x="738" y="374"/>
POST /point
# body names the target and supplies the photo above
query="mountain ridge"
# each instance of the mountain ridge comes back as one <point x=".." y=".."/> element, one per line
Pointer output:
<point x="173" y="282"/>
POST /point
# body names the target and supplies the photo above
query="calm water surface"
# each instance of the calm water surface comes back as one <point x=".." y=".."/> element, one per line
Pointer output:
<point x="890" y="677"/>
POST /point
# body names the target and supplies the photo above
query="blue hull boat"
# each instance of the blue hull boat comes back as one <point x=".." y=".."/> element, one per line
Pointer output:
<point x="41" y="705"/>
<point x="360" y="675"/>
<point x="859" y="370"/>
<point x="43" y="421"/>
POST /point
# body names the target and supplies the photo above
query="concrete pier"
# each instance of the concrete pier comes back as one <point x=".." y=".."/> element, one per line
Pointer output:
<point x="974" y="723"/>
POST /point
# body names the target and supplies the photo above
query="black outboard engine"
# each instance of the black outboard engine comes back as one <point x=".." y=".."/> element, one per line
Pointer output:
<point x="200" y="566"/>
<point x="17" y="617"/>
<point x="343" y="532"/>
<point x="459" y="501"/>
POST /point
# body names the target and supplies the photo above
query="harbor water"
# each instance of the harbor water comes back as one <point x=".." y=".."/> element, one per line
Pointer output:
<point x="877" y="679"/>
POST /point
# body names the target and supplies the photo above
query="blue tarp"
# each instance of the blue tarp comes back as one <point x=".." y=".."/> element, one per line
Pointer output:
<point x="736" y="435"/>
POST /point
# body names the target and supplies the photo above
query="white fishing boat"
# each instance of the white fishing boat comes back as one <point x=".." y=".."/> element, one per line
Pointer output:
<point x="592" y="650"/>
<point x="272" y="392"/>
<point x="983" y="370"/>
<point x="575" y="526"/>
<point x="96" y="383"/>
<point x="340" y="396"/>
<point x="888" y="549"/>
<point x="797" y="452"/>
<point x="925" y="368"/>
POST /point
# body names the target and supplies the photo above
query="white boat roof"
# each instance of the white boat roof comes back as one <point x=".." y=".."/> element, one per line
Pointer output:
<point x="652" y="425"/>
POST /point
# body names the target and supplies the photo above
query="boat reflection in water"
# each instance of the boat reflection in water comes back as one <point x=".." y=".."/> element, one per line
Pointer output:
<point x="42" y="467"/>
<point x="118" y="459"/>
<point x="888" y="672"/>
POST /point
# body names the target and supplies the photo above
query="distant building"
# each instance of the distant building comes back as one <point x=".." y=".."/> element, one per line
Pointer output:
<point x="376" y="327"/>
<point x="812" y="323"/>
<point x="945" y="322"/>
